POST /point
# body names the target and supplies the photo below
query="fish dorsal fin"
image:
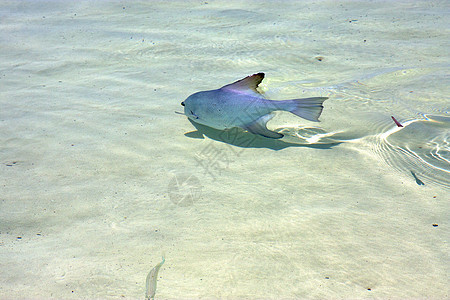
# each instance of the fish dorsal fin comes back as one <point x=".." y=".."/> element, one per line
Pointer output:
<point x="247" y="85"/>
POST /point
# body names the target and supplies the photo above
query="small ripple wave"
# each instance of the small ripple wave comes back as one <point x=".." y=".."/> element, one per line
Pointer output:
<point x="420" y="148"/>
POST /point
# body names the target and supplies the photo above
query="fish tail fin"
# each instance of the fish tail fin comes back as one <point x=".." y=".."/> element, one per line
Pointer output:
<point x="306" y="108"/>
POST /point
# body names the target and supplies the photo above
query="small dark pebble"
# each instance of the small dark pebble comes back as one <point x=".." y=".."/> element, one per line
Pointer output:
<point x="369" y="289"/>
<point x="19" y="237"/>
<point x="434" y="197"/>
<point x="435" y="225"/>
<point x="319" y="58"/>
<point x="327" y="277"/>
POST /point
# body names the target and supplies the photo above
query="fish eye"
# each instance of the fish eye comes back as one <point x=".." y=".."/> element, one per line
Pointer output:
<point x="182" y="103"/>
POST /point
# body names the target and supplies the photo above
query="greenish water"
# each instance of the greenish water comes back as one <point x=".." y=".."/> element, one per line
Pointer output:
<point x="99" y="176"/>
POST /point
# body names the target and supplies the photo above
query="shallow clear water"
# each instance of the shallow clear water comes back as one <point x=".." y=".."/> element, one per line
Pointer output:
<point x="99" y="177"/>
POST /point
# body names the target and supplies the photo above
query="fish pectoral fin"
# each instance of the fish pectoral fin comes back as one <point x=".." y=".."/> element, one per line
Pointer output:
<point x="259" y="127"/>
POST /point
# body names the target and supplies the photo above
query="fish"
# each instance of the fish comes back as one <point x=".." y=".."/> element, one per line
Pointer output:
<point x="241" y="105"/>
<point x="418" y="181"/>
<point x="396" y="122"/>
<point x="150" y="282"/>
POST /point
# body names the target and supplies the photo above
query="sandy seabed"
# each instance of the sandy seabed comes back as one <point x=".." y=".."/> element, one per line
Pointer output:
<point x="99" y="177"/>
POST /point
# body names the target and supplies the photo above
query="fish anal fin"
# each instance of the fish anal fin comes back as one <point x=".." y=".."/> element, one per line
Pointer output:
<point x="259" y="127"/>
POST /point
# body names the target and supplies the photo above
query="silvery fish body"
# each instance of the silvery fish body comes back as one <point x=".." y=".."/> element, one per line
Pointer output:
<point x="241" y="105"/>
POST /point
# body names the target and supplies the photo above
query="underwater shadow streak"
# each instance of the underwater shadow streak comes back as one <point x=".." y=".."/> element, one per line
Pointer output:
<point x="244" y="139"/>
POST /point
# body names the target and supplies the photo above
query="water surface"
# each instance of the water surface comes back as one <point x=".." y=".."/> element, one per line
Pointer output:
<point x="99" y="176"/>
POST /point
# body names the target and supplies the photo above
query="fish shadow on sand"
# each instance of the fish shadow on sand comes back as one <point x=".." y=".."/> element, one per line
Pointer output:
<point x="240" y="138"/>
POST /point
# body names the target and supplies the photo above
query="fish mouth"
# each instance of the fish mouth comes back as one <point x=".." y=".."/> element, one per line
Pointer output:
<point x="194" y="115"/>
